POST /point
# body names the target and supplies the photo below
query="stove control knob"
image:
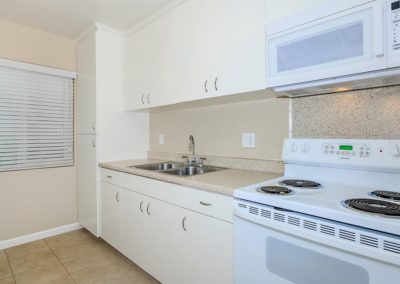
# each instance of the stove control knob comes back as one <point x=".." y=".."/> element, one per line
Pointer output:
<point x="395" y="150"/>
<point x="305" y="148"/>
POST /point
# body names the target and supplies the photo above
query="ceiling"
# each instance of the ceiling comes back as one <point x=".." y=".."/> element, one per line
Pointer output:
<point x="72" y="17"/>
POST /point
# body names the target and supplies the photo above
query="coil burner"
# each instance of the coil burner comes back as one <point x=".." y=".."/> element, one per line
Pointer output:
<point x="374" y="206"/>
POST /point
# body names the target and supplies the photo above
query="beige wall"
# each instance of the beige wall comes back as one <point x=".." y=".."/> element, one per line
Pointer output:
<point x="31" y="201"/>
<point x="217" y="129"/>
<point x="35" y="46"/>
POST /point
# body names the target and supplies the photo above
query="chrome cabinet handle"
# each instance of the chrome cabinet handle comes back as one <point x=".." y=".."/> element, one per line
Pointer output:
<point x="206" y="86"/>
<point x="216" y="84"/>
<point x="147" y="209"/>
<point x="109" y="176"/>
<point x="140" y="207"/>
<point x="94" y="143"/>
<point x="117" y="197"/>
<point x="184" y="223"/>
<point x="94" y="126"/>
<point x="205" y="203"/>
<point x="148" y="98"/>
<point x="142" y="99"/>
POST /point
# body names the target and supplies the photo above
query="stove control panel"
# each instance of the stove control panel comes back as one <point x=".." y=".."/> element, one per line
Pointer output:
<point x="347" y="151"/>
<point x="382" y="155"/>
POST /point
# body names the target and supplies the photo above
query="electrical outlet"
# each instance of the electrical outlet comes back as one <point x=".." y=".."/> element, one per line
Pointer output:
<point x="248" y="140"/>
<point x="161" y="139"/>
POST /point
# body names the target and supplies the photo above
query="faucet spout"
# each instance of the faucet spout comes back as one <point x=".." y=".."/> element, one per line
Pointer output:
<point x="192" y="148"/>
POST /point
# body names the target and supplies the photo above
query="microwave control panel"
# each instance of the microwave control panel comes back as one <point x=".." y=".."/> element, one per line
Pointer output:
<point x="395" y="24"/>
<point x="393" y="32"/>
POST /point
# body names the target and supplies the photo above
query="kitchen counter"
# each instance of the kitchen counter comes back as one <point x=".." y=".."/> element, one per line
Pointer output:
<point x="222" y="182"/>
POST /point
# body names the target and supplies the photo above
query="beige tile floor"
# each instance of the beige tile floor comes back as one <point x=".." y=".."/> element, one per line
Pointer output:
<point x="75" y="257"/>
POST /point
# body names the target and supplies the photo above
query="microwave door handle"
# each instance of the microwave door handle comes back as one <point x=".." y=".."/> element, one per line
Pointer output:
<point x="378" y="29"/>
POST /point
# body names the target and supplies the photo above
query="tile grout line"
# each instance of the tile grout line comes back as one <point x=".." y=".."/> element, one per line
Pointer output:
<point x="9" y="265"/>
<point x="59" y="260"/>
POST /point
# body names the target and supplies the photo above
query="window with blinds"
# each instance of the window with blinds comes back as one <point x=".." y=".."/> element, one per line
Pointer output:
<point x="36" y="120"/>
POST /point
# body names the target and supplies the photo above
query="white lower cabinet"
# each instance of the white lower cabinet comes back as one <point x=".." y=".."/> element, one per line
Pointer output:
<point x="134" y="222"/>
<point x="163" y="241"/>
<point x="150" y="227"/>
<point x="207" y="250"/>
<point x="111" y="227"/>
<point x="170" y="240"/>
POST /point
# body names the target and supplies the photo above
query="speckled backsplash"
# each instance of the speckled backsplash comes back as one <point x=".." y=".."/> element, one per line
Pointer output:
<point x="373" y="113"/>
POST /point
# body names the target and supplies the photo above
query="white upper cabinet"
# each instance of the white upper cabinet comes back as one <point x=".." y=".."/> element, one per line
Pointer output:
<point x="199" y="49"/>
<point x="238" y="59"/>
<point x="149" y="66"/>
<point x="282" y="8"/>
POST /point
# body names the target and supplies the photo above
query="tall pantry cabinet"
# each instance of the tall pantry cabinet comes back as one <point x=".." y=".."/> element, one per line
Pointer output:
<point x="105" y="131"/>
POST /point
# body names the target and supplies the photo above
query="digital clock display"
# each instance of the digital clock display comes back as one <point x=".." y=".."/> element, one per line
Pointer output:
<point x="345" y="148"/>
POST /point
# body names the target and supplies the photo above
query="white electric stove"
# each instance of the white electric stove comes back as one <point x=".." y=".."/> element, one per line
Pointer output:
<point x="334" y="217"/>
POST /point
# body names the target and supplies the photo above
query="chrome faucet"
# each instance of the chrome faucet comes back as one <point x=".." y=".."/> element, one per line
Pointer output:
<point x="192" y="148"/>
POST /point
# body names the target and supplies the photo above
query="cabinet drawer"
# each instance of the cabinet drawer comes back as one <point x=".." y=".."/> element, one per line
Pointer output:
<point x="161" y="190"/>
<point x="208" y="203"/>
<point x="110" y="176"/>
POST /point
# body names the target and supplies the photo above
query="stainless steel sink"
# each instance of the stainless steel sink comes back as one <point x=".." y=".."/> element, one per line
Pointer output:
<point x="159" y="166"/>
<point x="178" y="169"/>
<point x="192" y="170"/>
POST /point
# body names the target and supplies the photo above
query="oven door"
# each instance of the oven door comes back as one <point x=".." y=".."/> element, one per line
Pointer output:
<point x="264" y="255"/>
<point x="346" y="42"/>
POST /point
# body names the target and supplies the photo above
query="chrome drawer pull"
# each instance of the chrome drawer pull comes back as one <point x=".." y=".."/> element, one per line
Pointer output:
<point x="140" y="207"/>
<point x="205" y="203"/>
<point x="147" y="209"/>
<point x="109" y="176"/>
<point x="183" y="223"/>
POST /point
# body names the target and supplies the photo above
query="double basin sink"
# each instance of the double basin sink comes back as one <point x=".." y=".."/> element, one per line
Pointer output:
<point x="179" y="169"/>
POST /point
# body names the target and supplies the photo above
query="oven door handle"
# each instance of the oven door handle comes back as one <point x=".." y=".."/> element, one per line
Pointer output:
<point x="282" y="209"/>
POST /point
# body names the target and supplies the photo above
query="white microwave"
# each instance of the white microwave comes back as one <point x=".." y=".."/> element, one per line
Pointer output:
<point x="338" y="46"/>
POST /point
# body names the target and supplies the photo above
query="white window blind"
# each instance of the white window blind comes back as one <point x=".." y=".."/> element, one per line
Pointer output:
<point x="36" y="119"/>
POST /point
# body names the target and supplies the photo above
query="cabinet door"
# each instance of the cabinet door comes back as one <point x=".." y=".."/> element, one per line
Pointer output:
<point x="86" y="85"/>
<point x="194" y="33"/>
<point x="207" y="250"/>
<point x="111" y="215"/>
<point x="163" y="258"/>
<point x="224" y="44"/>
<point x="136" y="72"/>
<point x="134" y="226"/>
<point x="150" y="66"/>
<point x="239" y="62"/>
<point x="87" y="182"/>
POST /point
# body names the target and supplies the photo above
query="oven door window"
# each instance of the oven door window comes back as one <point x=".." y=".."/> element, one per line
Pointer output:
<point x="265" y="255"/>
<point x="304" y="266"/>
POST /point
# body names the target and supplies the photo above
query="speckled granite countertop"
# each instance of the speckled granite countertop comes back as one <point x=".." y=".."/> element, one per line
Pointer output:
<point x="223" y="182"/>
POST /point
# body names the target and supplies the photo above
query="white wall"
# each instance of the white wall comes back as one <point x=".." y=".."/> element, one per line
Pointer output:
<point x="36" y="200"/>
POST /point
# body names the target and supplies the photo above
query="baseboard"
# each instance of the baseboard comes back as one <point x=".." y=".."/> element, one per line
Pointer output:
<point x="39" y="235"/>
